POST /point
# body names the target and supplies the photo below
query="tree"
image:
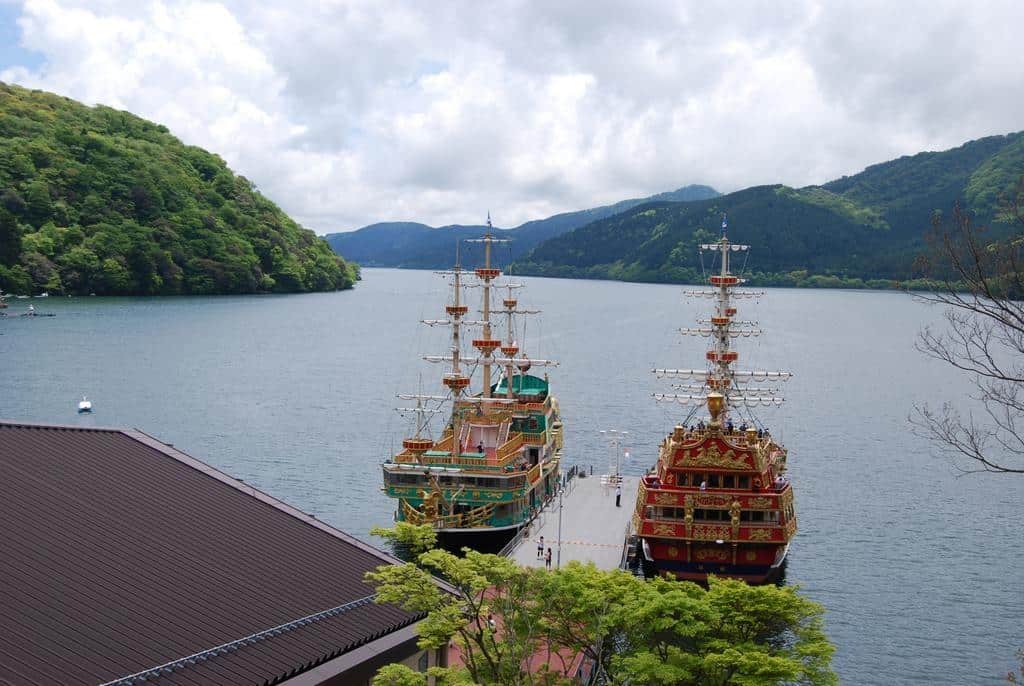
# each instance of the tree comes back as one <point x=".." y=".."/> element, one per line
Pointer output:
<point x="978" y="279"/>
<point x="1012" y="677"/>
<point x="413" y="538"/>
<point x="503" y="617"/>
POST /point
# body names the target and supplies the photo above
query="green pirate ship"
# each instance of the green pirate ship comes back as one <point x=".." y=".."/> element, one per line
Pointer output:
<point x="497" y="458"/>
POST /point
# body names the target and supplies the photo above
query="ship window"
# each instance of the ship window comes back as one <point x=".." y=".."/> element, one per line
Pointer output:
<point x="713" y="481"/>
<point x="729" y="481"/>
<point x="744" y="516"/>
<point x="757" y="516"/>
<point x="414" y="479"/>
<point x="684" y="479"/>
<point x="744" y="482"/>
<point x="711" y="515"/>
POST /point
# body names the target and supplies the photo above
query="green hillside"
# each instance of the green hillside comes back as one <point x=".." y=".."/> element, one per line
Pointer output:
<point x="862" y="230"/>
<point x="94" y="200"/>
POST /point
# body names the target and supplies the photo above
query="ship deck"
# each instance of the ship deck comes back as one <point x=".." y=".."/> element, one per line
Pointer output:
<point x="593" y="529"/>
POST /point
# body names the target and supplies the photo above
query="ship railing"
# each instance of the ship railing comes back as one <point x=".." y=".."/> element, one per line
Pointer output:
<point x="478" y="516"/>
<point x="652" y="492"/>
<point x="533" y="475"/>
<point x="652" y="517"/>
<point x="506" y="452"/>
<point x="534" y="438"/>
<point x="529" y="407"/>
<point x="406" y="457"/>
<point x="702" y="530"/>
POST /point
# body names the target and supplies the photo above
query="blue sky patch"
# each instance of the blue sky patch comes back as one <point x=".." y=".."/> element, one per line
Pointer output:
<point x="11" y="52"/>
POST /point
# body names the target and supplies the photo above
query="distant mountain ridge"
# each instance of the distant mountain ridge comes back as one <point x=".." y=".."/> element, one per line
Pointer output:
<point x="857" y="231"/>
<point x="418" y="246"/>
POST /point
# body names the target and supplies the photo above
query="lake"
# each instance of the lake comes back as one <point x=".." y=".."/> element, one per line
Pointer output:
<point x="919" y="567"/>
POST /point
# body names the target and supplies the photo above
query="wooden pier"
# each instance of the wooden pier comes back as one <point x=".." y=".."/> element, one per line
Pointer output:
<point x="593" y="529"/>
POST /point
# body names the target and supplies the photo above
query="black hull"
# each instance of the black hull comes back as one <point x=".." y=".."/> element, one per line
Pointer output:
<point x="484" y="541"/>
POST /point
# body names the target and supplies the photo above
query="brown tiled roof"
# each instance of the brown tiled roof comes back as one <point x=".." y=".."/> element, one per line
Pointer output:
<point x="119" y="554"/>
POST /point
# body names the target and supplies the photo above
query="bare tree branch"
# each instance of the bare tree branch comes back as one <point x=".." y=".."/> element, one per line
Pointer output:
<point x="979" y="281"/>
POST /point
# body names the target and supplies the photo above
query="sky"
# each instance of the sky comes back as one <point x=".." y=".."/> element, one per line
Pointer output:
<point x="349" y="113"/>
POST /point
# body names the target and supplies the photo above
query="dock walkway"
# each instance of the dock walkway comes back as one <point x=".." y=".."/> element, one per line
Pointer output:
<point x="593" y="529"/>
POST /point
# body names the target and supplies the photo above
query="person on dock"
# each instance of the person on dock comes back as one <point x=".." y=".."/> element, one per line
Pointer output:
<point x="540" y="547"/>
<point x="547" y="559"/>
<point x="618" y="495"/>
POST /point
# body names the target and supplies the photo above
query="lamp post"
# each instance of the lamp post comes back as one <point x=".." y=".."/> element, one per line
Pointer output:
<point x="614" y="437"/>
<point x="558" y="560"/>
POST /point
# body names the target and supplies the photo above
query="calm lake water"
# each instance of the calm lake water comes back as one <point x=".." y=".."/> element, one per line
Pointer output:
<point x="919" y="568"/>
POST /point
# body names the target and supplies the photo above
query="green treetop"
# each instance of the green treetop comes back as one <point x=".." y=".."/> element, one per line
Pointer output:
<point x="634" y="631"/>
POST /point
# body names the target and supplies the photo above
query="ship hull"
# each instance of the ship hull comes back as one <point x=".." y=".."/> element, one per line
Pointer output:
<point x="483" y="540"/>
<point x="769" y="567"/>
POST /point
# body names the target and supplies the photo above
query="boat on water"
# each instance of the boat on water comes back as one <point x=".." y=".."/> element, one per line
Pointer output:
<point x="84" y="405"/>
<point x="496" y="460"/>
<point x="718" y="500"/>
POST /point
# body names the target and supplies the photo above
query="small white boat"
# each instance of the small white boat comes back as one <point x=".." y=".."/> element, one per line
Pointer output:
<point x="84" y="405"/>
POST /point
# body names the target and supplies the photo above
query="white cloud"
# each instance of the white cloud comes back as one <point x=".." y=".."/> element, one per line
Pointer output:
<point x="351" y="112"/>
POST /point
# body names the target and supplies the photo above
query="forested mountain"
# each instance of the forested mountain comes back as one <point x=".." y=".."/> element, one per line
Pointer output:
<point x="94" y="200"/>
<point x="412" y="245"/>
<point x="861" y="230"/>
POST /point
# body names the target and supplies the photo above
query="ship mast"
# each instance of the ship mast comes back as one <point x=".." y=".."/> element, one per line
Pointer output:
<point x="719" y="388"/>
<point x="509" y="348"/>
<point x="456" y="381"/>
<point x="719" y="378"/>
<point x="487" y="275"/>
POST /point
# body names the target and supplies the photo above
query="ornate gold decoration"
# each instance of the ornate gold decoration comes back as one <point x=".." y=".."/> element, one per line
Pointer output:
<point x="790" y="528"/>
<point x="711" y="456"/>
<point x="704" y="532"/>
<point x="716" y="402"/>
<point x="666" y="499"/>
<point x="734" y="517"/>
<point x="751" y="556"/>
<point x="760" y="535"/>
<point x="673" y="551"/>
<point x="705" y="554"/>
<point x="759" y="503"/>
<point x="431" y="502"/>
<point x="712" y="500"/>
<point x="663" y="530"/>
<point x="787" y="499"/>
